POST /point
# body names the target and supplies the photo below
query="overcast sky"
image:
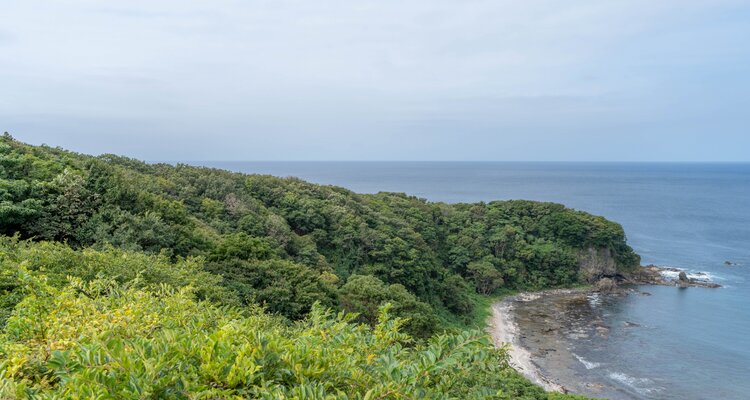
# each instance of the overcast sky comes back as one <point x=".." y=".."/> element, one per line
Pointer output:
<point x="584" y="80"/>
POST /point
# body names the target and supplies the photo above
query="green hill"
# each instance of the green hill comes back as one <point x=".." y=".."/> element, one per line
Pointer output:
<point x="135" y="280"/>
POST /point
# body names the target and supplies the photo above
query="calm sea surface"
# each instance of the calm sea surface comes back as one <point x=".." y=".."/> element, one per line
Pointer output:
<point x="690" y="344"/>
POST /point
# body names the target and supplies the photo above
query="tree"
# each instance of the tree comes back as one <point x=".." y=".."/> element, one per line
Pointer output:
<point x="282" y="286"/>
<point x="485" y="276"/>
<point x="455" y="295"/>
<point x="365" y="294"/>
<point x="420" y="251"/>
<point x="242" y="246"/>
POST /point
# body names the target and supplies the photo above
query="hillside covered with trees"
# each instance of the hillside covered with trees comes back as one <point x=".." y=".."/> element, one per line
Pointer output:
<point x="132" y="280"/>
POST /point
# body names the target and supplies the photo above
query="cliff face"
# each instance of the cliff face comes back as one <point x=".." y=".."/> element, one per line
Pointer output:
<point x="598" y="266"/>
<point x="595" y="264"/>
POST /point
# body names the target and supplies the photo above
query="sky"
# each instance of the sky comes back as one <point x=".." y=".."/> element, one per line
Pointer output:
<point x="524" y="80"/>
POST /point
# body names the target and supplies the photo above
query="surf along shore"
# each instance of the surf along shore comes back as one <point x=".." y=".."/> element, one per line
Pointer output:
<point x="538" y="327"/>
<point x="504" y="330"/>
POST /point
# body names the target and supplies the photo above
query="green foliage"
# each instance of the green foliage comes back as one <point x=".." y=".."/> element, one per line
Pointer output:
<point x="130" y="280"/>
<point x="241" y="246"/>
<point x="485" y="276"/>
<point x="121" y="279"/>
<point x="66" y="205"/>
<point x="59" y="262"/>
<point x="364" y="294"/>
<point x="455" y="295"/>
<point x="258" y="231"/>
<point x="236" y="220"/>
<point x="282" y="286"/>
<point x="101" y="339"/>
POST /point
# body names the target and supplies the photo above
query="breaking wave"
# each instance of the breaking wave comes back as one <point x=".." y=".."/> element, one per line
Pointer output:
<point x="586" y="363"/>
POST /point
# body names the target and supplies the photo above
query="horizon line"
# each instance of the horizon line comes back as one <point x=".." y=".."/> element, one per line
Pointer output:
<point x="454" y="161"/>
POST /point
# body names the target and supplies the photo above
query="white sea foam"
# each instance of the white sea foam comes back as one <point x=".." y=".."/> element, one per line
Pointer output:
<point x="594" y="299"/>
<point x="640" y="385"/>
<point x="699" y="275"/>
<point x="702" y="275"/>
<point x="586" y="363"/>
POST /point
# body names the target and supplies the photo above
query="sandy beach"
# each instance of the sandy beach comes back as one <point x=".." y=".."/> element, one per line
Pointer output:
<point x="505" y="331"/>
<point x="542" y="331"/>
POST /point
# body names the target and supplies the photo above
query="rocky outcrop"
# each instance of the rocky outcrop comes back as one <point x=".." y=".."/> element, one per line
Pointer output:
<point x="731" y="264"/>
<point x="598" y="267"/>
<point x="653" y="275"/>
<point x="606" y="285"/>
<point x="682" y="280"/>
<point x="595" y="264"/>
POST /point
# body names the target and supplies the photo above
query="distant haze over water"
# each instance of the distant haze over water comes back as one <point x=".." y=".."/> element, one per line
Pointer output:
<point x="691" y="344"/>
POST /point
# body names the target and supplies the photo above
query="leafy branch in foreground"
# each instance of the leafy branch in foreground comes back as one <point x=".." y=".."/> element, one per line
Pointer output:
<point x="103" y="339"/>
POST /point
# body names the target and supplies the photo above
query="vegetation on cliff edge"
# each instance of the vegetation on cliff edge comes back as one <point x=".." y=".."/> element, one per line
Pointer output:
<point x="229" y="277"/>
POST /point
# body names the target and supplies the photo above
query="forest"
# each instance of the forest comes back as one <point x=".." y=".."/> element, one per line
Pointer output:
<point x="128" y="280"/>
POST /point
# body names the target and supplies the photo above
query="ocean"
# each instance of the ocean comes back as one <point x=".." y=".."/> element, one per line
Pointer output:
<point x="672" y="344"/>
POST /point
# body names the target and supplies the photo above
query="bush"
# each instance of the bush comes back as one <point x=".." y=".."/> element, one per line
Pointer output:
<point x="104" y="340"/>
<point x="365" y="294"/>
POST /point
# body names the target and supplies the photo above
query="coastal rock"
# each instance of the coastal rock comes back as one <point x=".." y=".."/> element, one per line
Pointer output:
<point x="654" y="275"/>
<point x="602" y="331"/>
<point x="551" y="330"/>
<point x="606" y="285"/>
<point x="595" y="264"/>
<point x="646" y="275"/>
<point x="595" y="386"/>
<point x="704" y="284"/>
<point x="682" y="280"/>
<point x="731" y="263"/>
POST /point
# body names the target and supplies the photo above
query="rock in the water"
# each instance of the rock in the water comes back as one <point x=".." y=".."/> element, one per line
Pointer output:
<point x="602" y="331"/>
<point x="595" y="386"/>
<point x="654" y="275"/>
<point x="682" y="280"/>
<point x="705" y="284"/>
<point x="606" y="285"/>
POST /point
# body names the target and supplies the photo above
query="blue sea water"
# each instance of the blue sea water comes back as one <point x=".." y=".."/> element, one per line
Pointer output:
<point x="688" y="344"/>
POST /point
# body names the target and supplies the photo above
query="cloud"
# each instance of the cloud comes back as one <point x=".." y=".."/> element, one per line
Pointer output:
<point x="378" y="79"/>
<point x="6" y="37"/>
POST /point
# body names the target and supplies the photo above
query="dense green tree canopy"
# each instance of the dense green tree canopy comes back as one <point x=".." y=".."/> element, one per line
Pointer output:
<point x="287" y="243"/>
<point x="152" y="280"/>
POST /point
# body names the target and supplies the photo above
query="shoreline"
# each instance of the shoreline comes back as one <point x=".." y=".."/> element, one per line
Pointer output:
<point x="504" y="331"/>
<point x="539" y="349"/>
